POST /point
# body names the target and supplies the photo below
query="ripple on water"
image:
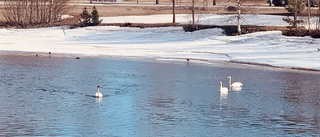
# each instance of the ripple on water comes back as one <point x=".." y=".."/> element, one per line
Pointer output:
<point x="43" y="96"/>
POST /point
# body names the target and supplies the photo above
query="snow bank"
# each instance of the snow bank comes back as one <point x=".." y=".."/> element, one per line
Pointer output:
<point x="167" y="43"/>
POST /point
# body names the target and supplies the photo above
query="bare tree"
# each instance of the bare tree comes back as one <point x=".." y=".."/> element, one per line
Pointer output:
<point x="295" y="7"/>
<point x="32" y="12"/>
<point x="196" y="6"/>
<point x="239" y="10"/>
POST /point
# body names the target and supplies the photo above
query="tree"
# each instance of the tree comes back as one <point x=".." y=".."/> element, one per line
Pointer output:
<point x="196" y="6"/>
<point x="90" y="19"/>
<point x="85" y="17"/>
<point x="295" y="7"/>
<point x="239" y="3"/>
<point x="95" y="16"/>
<point x="238" y="9"/>
<point x="25" y="13"/>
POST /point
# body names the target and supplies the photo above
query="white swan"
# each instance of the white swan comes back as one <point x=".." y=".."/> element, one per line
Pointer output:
<point x="98" y="93"/>
<point x="235" y="86"/>
<point x="223" y="90"/>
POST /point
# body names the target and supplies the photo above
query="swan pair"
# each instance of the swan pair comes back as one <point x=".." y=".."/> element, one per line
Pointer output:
<point x="98" y="93"/>
<point x="236" y="86"/>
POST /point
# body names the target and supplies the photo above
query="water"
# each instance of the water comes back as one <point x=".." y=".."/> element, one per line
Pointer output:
<point x="42" y="96"/>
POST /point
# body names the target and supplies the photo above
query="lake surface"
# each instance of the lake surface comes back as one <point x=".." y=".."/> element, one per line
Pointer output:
<point x="42" y="96"/>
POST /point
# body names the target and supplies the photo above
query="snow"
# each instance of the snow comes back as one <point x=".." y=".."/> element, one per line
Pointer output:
<point x="216" y="19"/>
<point x="210" y="45"/>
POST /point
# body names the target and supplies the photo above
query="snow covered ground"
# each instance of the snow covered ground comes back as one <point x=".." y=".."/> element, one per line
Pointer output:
<point x="216" y="19"/>
<point x="210" y="45"/>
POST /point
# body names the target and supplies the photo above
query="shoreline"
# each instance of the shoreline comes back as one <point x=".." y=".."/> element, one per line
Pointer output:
<point x="203" y="62"/>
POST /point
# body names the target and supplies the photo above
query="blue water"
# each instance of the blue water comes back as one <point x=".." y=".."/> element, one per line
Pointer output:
<point x="42" y="96"/>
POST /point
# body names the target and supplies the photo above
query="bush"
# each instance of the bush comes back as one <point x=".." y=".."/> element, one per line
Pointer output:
<point x="127" y="24"/>
<point x="190" y="28"/>
<point x="28" y="13"/>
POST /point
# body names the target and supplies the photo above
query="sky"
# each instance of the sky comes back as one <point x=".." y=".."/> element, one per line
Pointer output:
<point x="171" y="43"/>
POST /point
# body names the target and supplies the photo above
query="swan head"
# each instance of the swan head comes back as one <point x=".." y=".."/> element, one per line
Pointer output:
<point x="99" y="86"/>
<point x="229" y="77"/>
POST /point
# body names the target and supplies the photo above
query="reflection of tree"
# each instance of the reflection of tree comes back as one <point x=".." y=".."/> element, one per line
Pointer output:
<point x="300" y="89"/>
<point x="302" y="107"/>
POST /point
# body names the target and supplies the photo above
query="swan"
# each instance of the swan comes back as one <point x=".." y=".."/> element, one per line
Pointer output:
<point x="236" y="86"/>
<point x="223" y="90"/>
<point x="98" y="93"/>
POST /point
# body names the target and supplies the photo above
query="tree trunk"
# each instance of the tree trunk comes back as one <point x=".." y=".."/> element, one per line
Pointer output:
<point x="173" y="11"/>
<point x="214" y="2"/>
<point x="318" y="23"/>
<point x="157" y="1"/>
<point x="239" y="13"/>
<point x="295" y="15"/>
<point x="193" y="13"/>
<point x="309" y="15"/>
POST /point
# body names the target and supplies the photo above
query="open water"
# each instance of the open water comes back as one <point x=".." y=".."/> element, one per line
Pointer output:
<point x="42" y="96"/>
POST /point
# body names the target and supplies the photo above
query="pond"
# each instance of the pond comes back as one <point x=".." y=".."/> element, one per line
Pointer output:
<point x="51" y="96"/>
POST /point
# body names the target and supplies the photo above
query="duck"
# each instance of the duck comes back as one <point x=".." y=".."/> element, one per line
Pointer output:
<point x="98" y="93"/>
<point x="235" y="85"/>
<point x="223" y="90"/>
